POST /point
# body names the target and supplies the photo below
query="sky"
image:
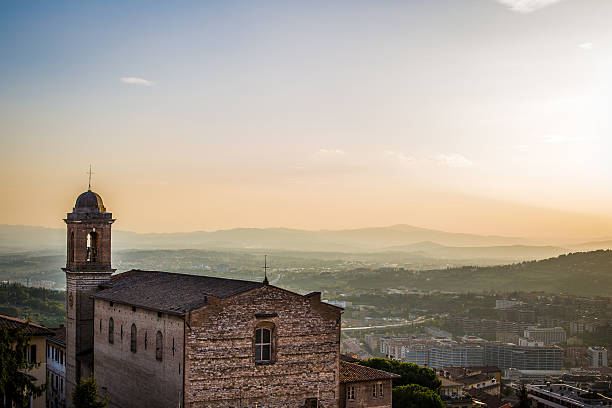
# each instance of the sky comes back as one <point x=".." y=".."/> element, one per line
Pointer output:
<point x="482" y="116"/>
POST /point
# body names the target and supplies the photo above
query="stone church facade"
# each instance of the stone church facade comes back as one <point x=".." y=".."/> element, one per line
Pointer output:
<point x="159" y="339"/>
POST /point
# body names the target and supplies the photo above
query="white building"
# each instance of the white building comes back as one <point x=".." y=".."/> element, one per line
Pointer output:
<point x="547" y="335"/>
<point x="598" y="356"/>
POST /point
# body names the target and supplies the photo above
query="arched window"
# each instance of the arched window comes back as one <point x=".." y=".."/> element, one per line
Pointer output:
<point x="92" y="246"/>
<point x="133" y="339"/>
<point x="159" y="346"/>
<point x="263" y="344"/>
<point x="111" y="331"/>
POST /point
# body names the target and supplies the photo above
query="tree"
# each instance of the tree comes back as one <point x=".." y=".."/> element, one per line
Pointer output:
<point x="523" y="397"/>
<point x="415" y="396"/>
<point x="85" y="394"/>
<point x="410" y="373"/>
<point x="16" y="385"/>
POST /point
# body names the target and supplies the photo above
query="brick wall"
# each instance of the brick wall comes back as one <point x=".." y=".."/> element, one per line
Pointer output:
<point x="220" y="366"/>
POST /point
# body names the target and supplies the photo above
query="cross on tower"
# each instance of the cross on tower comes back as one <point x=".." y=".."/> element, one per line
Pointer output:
<point x="89" y="173"/>
<point x="265" y="267"/>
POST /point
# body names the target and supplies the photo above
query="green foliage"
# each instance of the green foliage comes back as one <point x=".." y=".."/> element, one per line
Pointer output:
<point x="410" y="373"/>
<point x="415" y="396"/>
<point x="16" y="384"/>
<point x="44" y="306"/>
<point x="85" y="394"/>
<point x="523" y="398"/>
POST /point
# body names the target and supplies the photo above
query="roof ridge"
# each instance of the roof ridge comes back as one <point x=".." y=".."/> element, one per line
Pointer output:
<point x="188" y="274"/>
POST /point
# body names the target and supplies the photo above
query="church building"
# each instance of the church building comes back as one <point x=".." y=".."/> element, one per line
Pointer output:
<point x="159" y="339"/>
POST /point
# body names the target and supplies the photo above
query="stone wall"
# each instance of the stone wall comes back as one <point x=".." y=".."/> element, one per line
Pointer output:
<point x="220" y="365"/>
<point x="138" y="379"/>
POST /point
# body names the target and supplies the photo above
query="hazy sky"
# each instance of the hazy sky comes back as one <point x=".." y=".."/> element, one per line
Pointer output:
<point x="486" y="116"/>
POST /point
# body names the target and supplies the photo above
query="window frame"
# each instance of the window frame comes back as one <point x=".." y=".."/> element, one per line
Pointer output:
<point x="350" y="392"/>
<point x="259" y="346"/>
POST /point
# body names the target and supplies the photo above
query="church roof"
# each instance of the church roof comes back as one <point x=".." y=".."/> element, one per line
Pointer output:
<point x="174" y="293"/>
<point x="350" y="373"/>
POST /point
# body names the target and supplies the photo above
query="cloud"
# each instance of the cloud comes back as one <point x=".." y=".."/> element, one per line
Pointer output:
<point x="331" y="152"/>
<point x="454" y="160"/>
<point x="527" y="6"/>
<point x="587" y="46"/>
<point x="399" y="155"/>
<point x="136" y="81"/>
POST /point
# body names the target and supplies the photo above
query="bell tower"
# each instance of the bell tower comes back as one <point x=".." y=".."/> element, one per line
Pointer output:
<point x="88" y="265"/>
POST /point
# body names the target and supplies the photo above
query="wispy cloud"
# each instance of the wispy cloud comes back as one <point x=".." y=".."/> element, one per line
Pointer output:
<point x="527" y="6"/>
<point x="136" y="81"/>
<point x="400" y="155"/>
<point x="454" y="160"/>
<point x="587" y="46"/>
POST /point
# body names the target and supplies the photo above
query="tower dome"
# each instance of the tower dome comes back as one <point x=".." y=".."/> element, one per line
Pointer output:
<point x="89" y="202"/>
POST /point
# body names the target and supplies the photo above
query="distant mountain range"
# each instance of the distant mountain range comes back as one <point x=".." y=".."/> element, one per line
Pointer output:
<point x="393" y="239"/>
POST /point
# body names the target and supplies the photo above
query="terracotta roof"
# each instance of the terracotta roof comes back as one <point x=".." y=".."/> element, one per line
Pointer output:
<point x="350" y="373"/>
<point x="174" y="293"/>
<point x="7" y="322"/>
<point x="58" y="336"/>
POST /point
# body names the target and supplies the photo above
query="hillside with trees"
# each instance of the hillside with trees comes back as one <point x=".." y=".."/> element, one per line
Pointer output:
<point x="42" y="306"/>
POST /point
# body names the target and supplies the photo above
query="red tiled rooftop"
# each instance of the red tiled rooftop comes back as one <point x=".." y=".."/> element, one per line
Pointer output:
<point x="350" y="372"/>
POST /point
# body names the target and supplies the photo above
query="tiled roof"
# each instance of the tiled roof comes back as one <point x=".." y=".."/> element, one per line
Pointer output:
<point x="350" y="372"/>
<point x="174" y="293"/>
<point x="58" y="336"/>
<point x="7" y="322"/>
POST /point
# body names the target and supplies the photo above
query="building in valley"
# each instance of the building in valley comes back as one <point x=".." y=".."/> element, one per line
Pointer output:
<point x="34" y="354"/>
<point x="362" y="386"/>
<point x="56" y="368"/>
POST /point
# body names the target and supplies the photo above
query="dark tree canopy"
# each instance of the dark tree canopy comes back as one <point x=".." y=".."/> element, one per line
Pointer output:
<point x="410" y="373"/>
<point x="85" y="394"/>
<point x="415" y="396"/>
<point x="16" y="385"/>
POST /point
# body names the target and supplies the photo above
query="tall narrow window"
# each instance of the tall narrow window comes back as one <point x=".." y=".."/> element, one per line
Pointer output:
<point x="159" y="346"/>
<point x="374" y="390"/>
<point x="133" y="339"/>
<point x="111" y="330"/>
<point x="380" y="390"/>
<point x="71" y="247"/>
<point x="92" y="246"/>
<point x="146" y="340"/>
<point x="263" y="344"/>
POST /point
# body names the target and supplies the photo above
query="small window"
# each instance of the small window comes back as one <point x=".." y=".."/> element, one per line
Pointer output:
<point x="133" y="339"/>
<point x="146" y="340"/>
<point x="173" y="349"/>
<point x="100" y="325"/>
<point x="32" y="356"/>
<point x="350" y="392"/>
<point x="121" y="334"/>
<point x="159" y="346"/>
<point x="111" y="330"/>
<point x="263" y="345"/>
